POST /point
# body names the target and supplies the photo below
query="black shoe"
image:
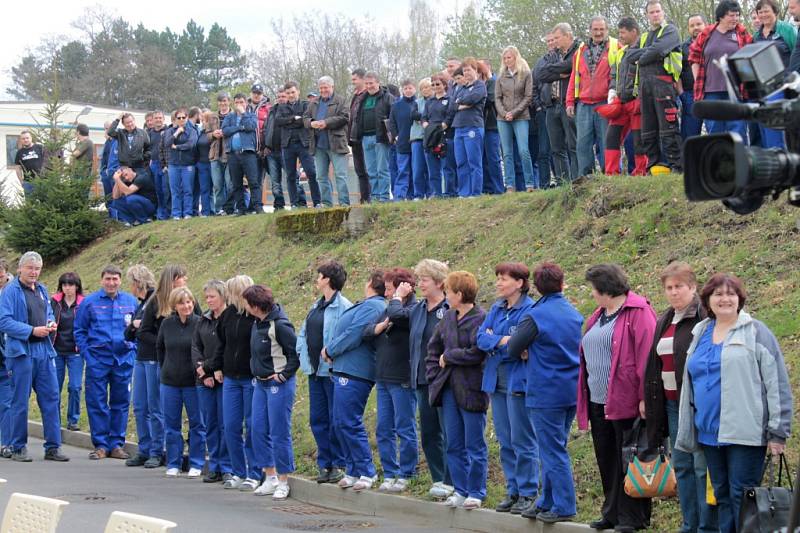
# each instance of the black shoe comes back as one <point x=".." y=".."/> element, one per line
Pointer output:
<point x="154" y="462"/>
<point x="533" y="511"/>
<point x="549" y="517"/>
<point x="601" y="524"/>
<point x="625" y="529"/>
<point x="5" y="452"/>
<point x="335" y="475"/>
<point x="522" y="504"/>
<point x="73" y="427"/>
<point x="507" y="503"/>
<point x="54" y="454"/>
<point x="136" y="460"/>
<point x="21" y="456"/>
<point x="213" y="477"/>
<point x="324" y="475"/>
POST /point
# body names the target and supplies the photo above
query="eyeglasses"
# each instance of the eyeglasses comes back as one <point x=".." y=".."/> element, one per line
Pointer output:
<point x="180" y="118"/>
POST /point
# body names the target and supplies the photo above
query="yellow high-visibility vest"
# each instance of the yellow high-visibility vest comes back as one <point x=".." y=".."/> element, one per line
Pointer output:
<point x="673" y="62"/>
<point x="613" y="58"/>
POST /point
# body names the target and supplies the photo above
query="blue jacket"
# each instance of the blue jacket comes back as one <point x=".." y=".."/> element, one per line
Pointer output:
<point x="333" y="313"/>
<point x="417" y="318"/>
<point x="184" y="153"/>
<point x="553" y="359"/>
<point x="474" y="96"/>
<point x="113" y="159"/>
<point x="499" y="322"/>
<point x="14" y="323"/>
<point x="245" y="126"/>
<point x="350" y="355"/>
<point x="436" y="109"/>
<point x="100" y="324"/>
<point x="402" y="116"/>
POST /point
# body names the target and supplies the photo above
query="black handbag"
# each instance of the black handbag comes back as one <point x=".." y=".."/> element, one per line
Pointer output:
<point x="766" y="509"/>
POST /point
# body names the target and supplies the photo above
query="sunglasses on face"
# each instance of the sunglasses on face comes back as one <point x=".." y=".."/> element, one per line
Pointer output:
<point x="180" y="118"/>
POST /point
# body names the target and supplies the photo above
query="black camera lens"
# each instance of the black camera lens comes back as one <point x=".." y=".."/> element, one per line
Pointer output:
<point x="719" y="169"/>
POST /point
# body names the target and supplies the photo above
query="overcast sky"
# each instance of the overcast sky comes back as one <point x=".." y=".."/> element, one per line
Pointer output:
<point x="246" y="20"/>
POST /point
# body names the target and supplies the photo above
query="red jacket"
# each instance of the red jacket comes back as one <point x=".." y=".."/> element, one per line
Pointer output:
<point x="696" y="54"/>
<point x="630" y="349"/>
<point x="593" y="86"/>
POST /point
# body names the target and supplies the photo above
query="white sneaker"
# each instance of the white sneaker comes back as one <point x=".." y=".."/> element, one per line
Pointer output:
<point x="400" y="485"/>
<point x="281" y="491"/>
<point x="456" y="500"/>
<point x="387" y="484"/>
<point x="248" y="484"/>
<point x="194" y="473"/>
<point x="363" y="483"/>
<point x="441" y="491"/>
<point x="268" y="487"/>
<point x="233" y="483"/>
<point x="172" y="472"/>
<point x="347" y="481"/>
<point x="471" y="503"/>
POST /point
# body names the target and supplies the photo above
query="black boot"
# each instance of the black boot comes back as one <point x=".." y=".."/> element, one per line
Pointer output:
<point x="507" y="503"/>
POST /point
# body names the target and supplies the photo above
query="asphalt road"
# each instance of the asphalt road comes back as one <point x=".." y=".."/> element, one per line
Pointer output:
<point x="96" y="488"/>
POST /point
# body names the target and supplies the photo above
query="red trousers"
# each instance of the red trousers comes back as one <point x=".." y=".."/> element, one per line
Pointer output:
<point x="630" y="120"/>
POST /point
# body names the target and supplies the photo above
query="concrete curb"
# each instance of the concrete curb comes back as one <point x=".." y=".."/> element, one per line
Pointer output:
<point x="371" y="503"/>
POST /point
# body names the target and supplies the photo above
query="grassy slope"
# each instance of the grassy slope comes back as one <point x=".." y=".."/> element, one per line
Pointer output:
<point x="639" y="223"/>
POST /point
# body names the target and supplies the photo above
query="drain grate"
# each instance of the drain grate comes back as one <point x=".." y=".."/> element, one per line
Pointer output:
<point x="325" y="525"/>
<point x="93" y="497"/>
<point x="303" y="509"/>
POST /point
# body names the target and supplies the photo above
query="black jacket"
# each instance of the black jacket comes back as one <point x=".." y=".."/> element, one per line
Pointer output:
<point x="131" y="330"/>
<point x="392" y="347"/>
<point x="137" y="153"/>
<point x="272" y="345"/>
<point x="233" y="348"/>
<point x="204" y="344"/>
<point x="489" y="110"/>
<point x="554" y="66"/>
<point x="174" y="349"/>
<point x="147" y="335"/>
<point x="289" y="117"/>
<point x="654" y="399"/>
<point x="382" y="109"/>
<point x="272" y="133"/>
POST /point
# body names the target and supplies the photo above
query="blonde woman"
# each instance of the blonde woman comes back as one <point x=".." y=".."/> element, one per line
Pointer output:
<point x="233" y="359"/>
<point x="419" y="169"/>
<point x="512" y="99"/>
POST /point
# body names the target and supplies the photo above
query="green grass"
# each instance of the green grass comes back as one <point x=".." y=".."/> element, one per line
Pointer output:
<point x="641" y="223"/>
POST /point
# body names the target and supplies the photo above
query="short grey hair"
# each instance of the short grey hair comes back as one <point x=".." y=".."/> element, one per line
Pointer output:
<point x="217" y="285"/>
<point x="598" y="18"/>
<point x="30" y="257"/>
<point x="325" y="80"/>
<point x="563" y="28"/>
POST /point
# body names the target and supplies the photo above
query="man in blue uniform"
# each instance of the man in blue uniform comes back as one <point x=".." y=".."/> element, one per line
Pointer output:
<point x="26" y="319"/>
<point x="100" y="335"/>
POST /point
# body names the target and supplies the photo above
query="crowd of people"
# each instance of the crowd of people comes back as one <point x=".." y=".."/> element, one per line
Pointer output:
<point x="705" y="374"/>
<point x="462" y="132"/>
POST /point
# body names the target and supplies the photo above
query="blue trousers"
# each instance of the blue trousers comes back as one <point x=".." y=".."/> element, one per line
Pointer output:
<point x="320" y="414"/>
<point x="210" y="400"/>
<point x="272" y="424"/>
<point x="147" y="408"/>
<point x="274" y="162"/>
<point x="70" y="364"/>
<point x="432" y="436"/>
<point x="108" y="398"/>
<point x="435" y="166"/>
<point x="519" y="452"/>
<point x="5" y="407"/>
<point x="492" y="163"/>
<point x="294" y="152"/>
<point x="690" y="472"/>
<point x="402" y="188"/>
<point x="591" y="133"/>
<point x="516" y="133"/>
<point x="469" y="161"/>
<point x="690" y="125"/>
<point x="323" y="160"/>
<point x="771" y="138"/>
<point x="205" y="188"/>
<point x="393" y="171"/>
<point x="552" y="433"/>
<point x="133" y="208"/>
<point x="173" y="401"/>
<point x="221" y="180"/>
<point x="38" y="374"/>
<point x="161" y="183"/>
<point x="450" y="170"/>
<point x="541" y="154"/>
<point x="732" y="469"/>
<point x="376" y="159"/>
<point x="181" y="186"/>
<point x="722" y="126"/>
<point x="467" y="454"/>
<point x="397" y="407"/>
<point x="349" y="401"/>
<point x="237" y="405"/>
<point x="419" y="171"/>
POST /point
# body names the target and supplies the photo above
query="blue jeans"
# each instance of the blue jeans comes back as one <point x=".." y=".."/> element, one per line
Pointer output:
<point x="591" y="133"/>
<point x="237" y="408"/>
<point x="690" y="125"/>
<point x="469" y="158"/>
<point x="205" y="188"/>
<point x="492" y="163"/>
<point x="397" y="407"/>
<point x="181" y="186"/>
<point x="161" y="183"/>
<point x="552" y="433"/>
<point x="147" y="408"/>
<point x="467" y="454"/>
<point x="732" y="469"/>
<point x="221" y="180"/>
<point x="133" y="208"/>
<point x="722" y="126"/>
<point x="401" y="189"/>
<point x="516" y="130"/>
<point x="5" y="407"/>
<point x="173" y="401"/>
<point x="419" y="171"/>
<point x="210" y="400"/>
<point x="38" y="374"/>
<point x="450" y="170"/>
<point x="690" y="471"/>
<point x="240" y="164"/>
<point x="320" y="414"/>
<point x="292" y="153"/>
<point x="272" y="424"/>
<point x="323" y="159"/>
<point x="72" y="364"/>
<point x="108" y="397"/>
<point x="349" y="400"/>
<point x="376" y="159"/>
<point x="275" y="170"/>
<point x="432" y="436"/>
<point x="541" y="154"/>
<point x="519" y="453"/>
<point x="392" y="166"/>
<point x="434" y="165"/>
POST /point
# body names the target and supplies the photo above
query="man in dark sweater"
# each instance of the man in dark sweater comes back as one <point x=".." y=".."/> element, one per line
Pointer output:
<point x="690" y="125"/>
<point x="370" y="130"/>
<point x="401" y="117"/>
<point x="274" y="159"/>
<point x="357" y="78"/>
<point x="294" y="143"/>
<point x="134" y="143"/>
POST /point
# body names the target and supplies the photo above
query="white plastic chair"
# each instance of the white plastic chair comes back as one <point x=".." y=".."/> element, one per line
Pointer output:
<point x="26" y="513"/>
<point x="2" y="481"/>
<point x="120" y="522"/>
